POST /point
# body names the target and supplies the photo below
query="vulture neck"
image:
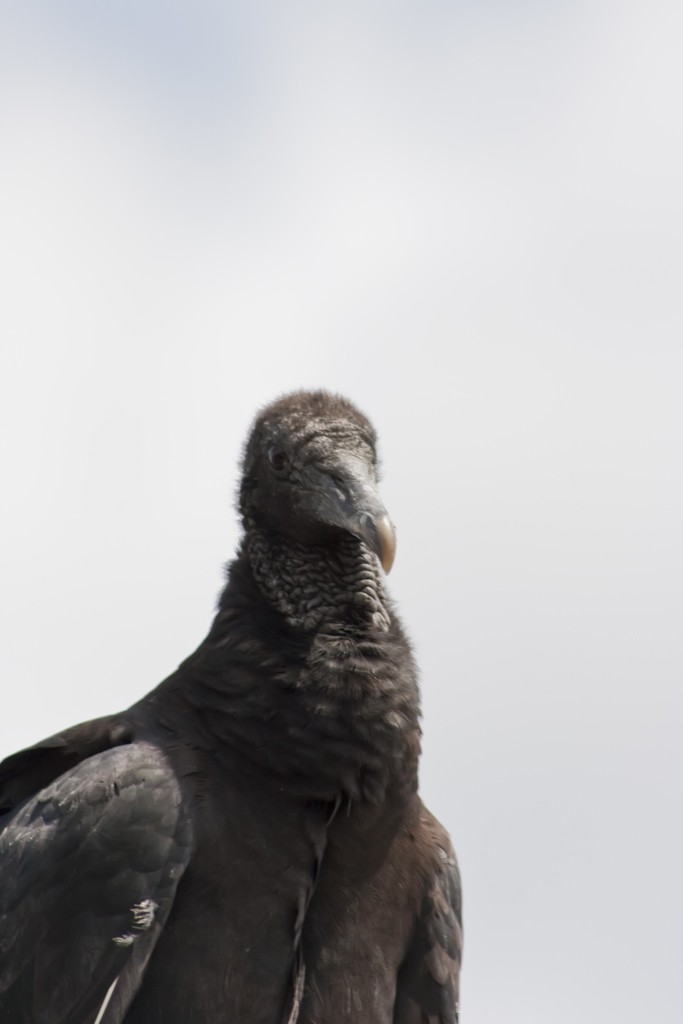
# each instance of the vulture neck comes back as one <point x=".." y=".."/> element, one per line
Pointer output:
<point x="307" y="674"/>
<point x="336" y="590"/>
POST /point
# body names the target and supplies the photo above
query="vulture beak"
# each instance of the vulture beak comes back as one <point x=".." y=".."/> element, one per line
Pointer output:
<point x="346" y="496"/>
<point x="380" y="536"/>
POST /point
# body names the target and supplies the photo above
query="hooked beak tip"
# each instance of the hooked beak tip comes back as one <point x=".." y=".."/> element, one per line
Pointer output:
<point x="386" y="536"/>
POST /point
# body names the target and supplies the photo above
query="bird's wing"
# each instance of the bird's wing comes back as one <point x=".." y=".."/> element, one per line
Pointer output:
<point x="24" y="773"/>
<point x="88" y="871"/>
<point x="428" y="982"/>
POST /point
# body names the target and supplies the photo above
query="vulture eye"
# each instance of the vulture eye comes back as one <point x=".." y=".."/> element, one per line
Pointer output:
<point x="277" y="458"/>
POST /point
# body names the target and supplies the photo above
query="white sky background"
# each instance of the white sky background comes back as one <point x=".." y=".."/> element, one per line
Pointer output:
<point x="469" y="219"/>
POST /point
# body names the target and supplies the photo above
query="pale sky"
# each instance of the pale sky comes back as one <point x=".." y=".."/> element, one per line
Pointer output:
<point x="468" y="218"/>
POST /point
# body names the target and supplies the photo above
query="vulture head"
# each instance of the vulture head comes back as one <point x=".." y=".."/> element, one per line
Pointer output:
<point x="310" y="476"/>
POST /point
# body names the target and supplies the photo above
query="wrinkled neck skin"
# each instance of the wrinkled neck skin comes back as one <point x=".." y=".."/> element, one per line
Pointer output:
<point x="316" y="589"/>
<point x="306" y="673"/>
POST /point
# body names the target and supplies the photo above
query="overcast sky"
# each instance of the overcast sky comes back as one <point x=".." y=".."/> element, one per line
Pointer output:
<point x="468" y="218"/>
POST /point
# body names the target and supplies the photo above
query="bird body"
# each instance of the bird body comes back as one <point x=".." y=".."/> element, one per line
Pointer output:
<point x="247" y="842"/>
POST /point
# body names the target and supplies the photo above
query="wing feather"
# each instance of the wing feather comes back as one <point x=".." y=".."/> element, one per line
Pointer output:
<point x="428" y="982"/>
<point x="90" y="866"/>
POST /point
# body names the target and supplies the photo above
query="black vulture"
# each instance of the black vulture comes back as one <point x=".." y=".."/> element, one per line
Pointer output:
<point x="247" y="844"/>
